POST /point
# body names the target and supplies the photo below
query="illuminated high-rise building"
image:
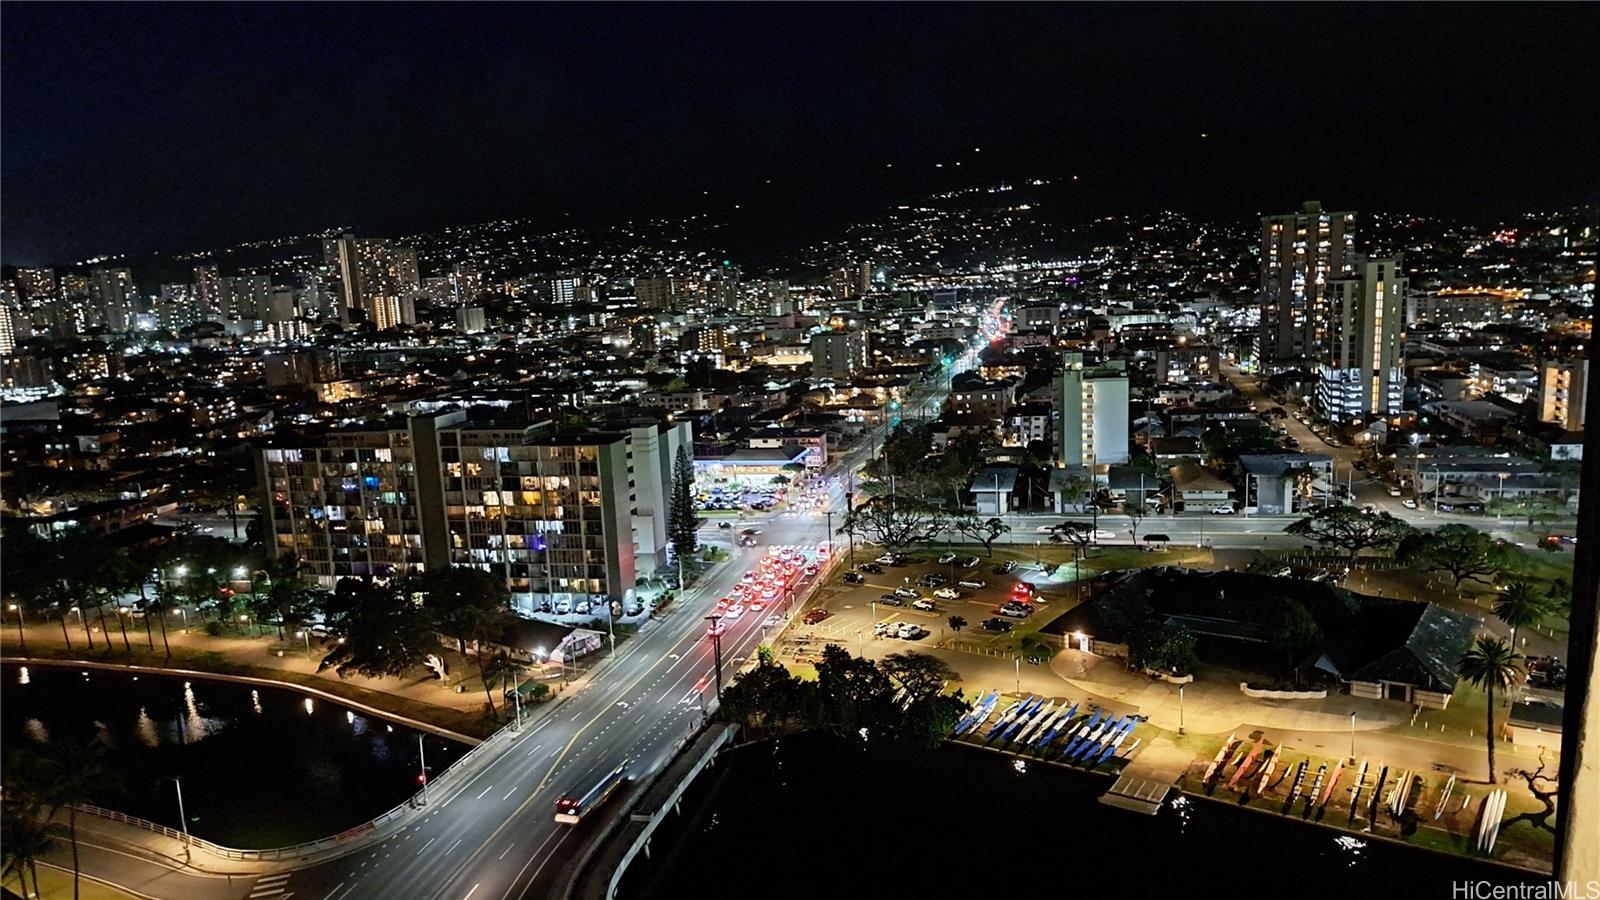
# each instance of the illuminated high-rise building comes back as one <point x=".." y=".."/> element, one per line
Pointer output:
<point x="208" y="287"/>
<point x="376" y="276"/>
<point x="1093" y="412"/>
<point x="115" y="298"/>
<point x="1361" y="372"/>
<point x="1300" y="252"/>
<point x="1563" y="390"/>
<point x="37" y="285"/>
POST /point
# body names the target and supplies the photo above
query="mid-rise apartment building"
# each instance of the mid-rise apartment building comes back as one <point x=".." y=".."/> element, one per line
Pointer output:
<point x="1094" y="414"/>
<point x="565" y="517"/>
<point x="1563" y="389"/>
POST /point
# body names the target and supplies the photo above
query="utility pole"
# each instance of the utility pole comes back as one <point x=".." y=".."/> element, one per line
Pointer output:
<point x="716" y="650"/>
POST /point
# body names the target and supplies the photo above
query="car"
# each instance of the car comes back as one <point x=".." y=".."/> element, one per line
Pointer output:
<point x="1222" y="510"/>
<point x="563" y="607"/>
<point x="999" y="625"/>
<point x="724" y="524"/>
<point x="746" y="540"/>
<point x="946" y="558"/>
<point x="812" y="570"/>
<point x="1409" y="503"/>
<point x="1016" y="610"/>
<point x="854" y="578"/>
<point x="970" y="562"/>
<point x="932" y="579"/>
<point x="1394" y="492"/>
<point x="733" y="612"/>
<point x="972" y="584"/>
<point x="891" y="600"/>
<point x="320" y="630"/>
<point x="947" y="594"/>
<point x="907" y="593"/>
<point x="772" y="621"/>
<point x="910" y="631"/>
<point x="814" y="616"/>
<point x="1007" y="567"/>
<point x="870" y="568"/>
<point x="724" y="603"/>
<point x="887" y="559"/>
<point x="880" y="629"/>
<point x="1046" y="529"/>
<point x="923" y="604"/>
<point x="1024" y="590"/>
<point x="717" y="629"/>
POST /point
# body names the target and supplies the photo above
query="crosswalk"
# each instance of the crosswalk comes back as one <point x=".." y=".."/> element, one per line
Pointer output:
<point x="274" y="887"/>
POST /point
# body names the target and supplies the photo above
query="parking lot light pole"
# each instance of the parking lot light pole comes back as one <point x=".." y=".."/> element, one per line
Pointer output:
<point x="1352" y="737"/>
<point x="1180" y="709"/>
<point x="1018" y="660"/>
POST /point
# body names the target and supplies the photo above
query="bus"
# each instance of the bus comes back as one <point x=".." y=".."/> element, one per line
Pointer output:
<point x="570" y="810"/>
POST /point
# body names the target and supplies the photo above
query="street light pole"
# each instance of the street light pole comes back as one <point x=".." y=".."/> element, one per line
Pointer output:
<point x="17" y="607"/>
<point x="183" y="820"/>
<point x="1352" y="737"/>
<point x="422" y="769"/>
<point x="1180" y="709"/>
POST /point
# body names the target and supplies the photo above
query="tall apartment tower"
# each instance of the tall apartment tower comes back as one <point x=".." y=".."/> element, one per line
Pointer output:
<point x="838" y="355"/>
<point x="1094" y="414"/>
<point x="1362" y="374"/>
<point x="1563" y="384"/>
<point x="377" y="276"/>
<point x="114" y="293"/>
<point x="208" y="286"/>
<point x="1300" y="252"/>
<point x="37" y="285"/>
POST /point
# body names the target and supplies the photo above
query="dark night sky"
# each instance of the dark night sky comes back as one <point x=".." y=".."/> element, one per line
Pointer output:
<point x="147" y="127"/>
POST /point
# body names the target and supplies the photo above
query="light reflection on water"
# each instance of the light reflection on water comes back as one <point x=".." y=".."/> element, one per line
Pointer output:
<point x="261" y="767"/>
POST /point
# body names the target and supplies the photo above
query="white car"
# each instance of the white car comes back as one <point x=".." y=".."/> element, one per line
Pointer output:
<point x="910" y="631"/>
<point x="1408" y="503"/>
<point x="1045" y="529"/>
<point x="947" y="594"/>
<point x="947" y="558"/>
<point x="733" y="612"/>
<point x="924" y="604"/>
<point x="880" y="629"/>
<point x="773" y="621"/>
<point x="972" y="584"/>
<point x="1222" y="510"/>
<point x="885" y="560"/>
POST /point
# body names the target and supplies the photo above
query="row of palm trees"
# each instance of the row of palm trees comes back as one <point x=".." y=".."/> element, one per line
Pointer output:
<point x="1493" y="663"/>
<point x="40" y="784"/>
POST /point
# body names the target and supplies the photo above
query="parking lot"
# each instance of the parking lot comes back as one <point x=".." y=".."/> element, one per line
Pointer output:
<point x="860" y="619"/>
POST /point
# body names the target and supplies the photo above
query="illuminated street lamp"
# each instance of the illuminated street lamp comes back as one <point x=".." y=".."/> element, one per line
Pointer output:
<point x="24" y="641"/>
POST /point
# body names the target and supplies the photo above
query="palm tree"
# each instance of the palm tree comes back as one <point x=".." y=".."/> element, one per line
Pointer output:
<point x="1521" y="606"/>
<point x="25" y="836"/>
<point x="1491" y="663"/>
<point x="75" y="773"/>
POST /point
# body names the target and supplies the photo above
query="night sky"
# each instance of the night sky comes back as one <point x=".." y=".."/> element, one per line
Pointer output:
<point x="145" y="127"/>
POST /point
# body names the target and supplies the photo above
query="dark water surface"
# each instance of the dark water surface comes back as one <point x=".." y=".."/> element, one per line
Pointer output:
<point x="814" y="817"/>
<point x="261" y="767"/>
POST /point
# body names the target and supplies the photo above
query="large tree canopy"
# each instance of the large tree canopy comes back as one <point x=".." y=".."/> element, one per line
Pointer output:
<point x="1460" y="551"/>
<point x="1351" y="529"/>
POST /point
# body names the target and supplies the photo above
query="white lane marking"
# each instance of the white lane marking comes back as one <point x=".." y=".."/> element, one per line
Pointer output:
<point x="508" y="795"/>
<point x="535" y="749"/>
<point x="506" y="850"/>
<point x="334" y="891"/>
<point x="471" y="892"/>
<point x="455" y="845"/>
<point x="428" y="844"/>
<point x="266" y="892"/>
<point x="485" y="791"/>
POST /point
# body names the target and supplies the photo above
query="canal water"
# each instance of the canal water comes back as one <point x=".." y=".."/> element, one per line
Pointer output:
<point x="815" y="817"/>
<point x="260" y="767"/>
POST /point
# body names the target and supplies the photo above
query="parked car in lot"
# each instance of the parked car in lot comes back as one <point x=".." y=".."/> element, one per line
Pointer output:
<point x="907" y="593"/>
<point x="870" y="568"/>
<point x="947" y="558"/>
<point x="972" y="584"/>
<point x="924" y="604"/>
<point x="1016" y="610"/>
<point x="947" y="593"/>
<point x="999" y="625"/>
<point x="1394" y="492"/>
<point x="886" y="559"/>
<point x="854" y="578"/>
<point x="891" y="600"/>
<point x="880" y="629"/>
<point x="814" y="616"/>
<point x="910" y="631"/>
<point x="1007" y="567"/>
<point x="970" y="562"/>
<point x="1409" y="503"/>
<point x="933" y="579"/>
